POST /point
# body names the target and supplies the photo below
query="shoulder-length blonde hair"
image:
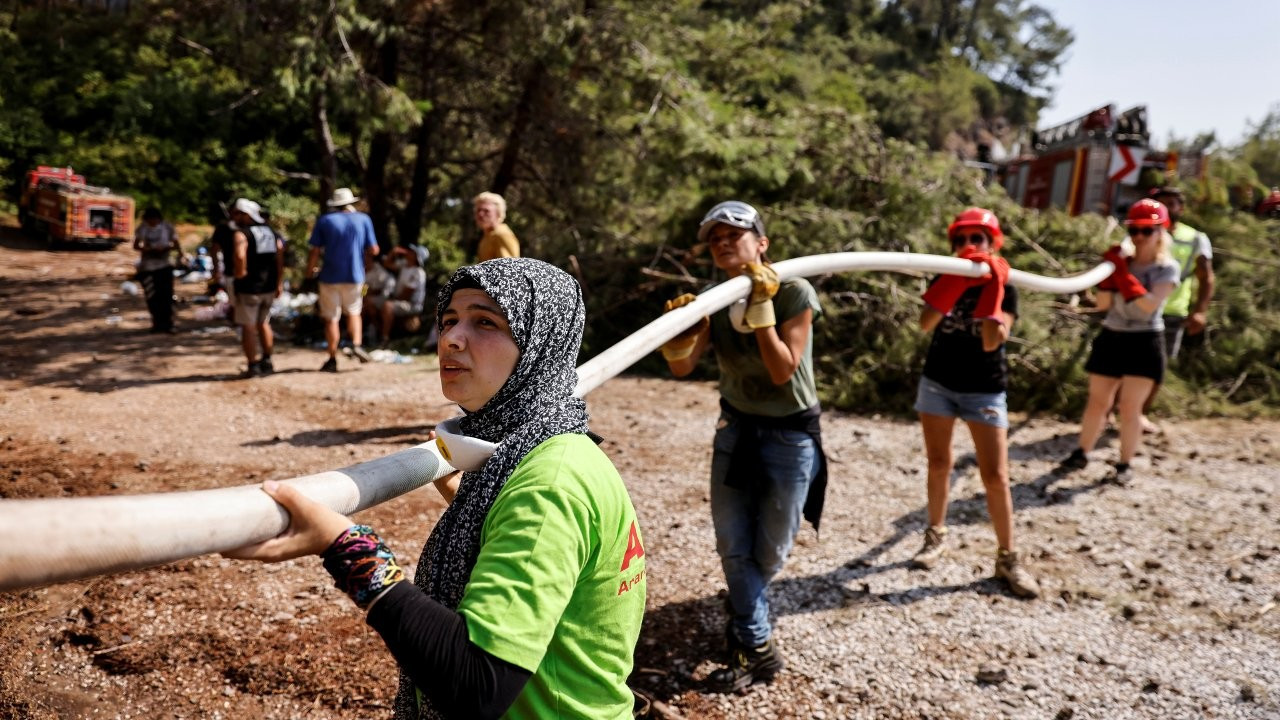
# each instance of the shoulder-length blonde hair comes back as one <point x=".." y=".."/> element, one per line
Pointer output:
<point x="1164" y="241"/>
<point x="495" y="200"/>
<point x="1163" y="253"/>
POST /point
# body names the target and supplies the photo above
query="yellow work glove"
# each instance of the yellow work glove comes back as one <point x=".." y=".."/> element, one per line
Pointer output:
<point x="764" y="285"/>
<point x="681" y="346"/>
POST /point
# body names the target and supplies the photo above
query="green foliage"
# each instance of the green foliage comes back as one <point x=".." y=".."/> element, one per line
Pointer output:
<point x="1238" y="372"/>
<point x="1261" y="149"/>
<point x="610" y="128"/>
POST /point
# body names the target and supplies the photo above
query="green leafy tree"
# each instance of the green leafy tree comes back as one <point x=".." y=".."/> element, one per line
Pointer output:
<point x="1261" y="148"/>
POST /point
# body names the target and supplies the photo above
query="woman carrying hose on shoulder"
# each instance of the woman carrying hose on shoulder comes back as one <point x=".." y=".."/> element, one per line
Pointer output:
<point x="1128" y="355"/>
<point x="529" y="594"/>
<point x="965" y="376"/>
<point x="767" y="465"/>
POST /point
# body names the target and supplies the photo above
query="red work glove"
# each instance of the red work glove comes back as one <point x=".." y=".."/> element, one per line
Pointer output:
<point x="992" y="296"/>
<point x="1124" y="282"/>
<point x="947" y="289"/>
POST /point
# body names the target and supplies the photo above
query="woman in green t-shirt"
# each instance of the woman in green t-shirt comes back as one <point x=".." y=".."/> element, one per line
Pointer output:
<point x="531" y="588"/>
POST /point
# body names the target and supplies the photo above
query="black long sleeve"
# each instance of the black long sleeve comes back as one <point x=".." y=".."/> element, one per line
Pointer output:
<point x="431" y="645"/>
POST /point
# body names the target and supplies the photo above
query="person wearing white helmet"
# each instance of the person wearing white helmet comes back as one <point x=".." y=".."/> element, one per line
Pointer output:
<point x="767" y="469"/>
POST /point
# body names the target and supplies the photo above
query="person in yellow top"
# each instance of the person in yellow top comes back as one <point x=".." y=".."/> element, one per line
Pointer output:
<point x="498" y="240"/>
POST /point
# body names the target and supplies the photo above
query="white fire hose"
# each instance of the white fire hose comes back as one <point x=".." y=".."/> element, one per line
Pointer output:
<point x="44" y="541"/>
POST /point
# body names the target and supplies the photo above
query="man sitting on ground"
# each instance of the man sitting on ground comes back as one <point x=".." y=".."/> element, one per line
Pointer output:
<point x="380" y="284"/>
<point x="410" y="289"/>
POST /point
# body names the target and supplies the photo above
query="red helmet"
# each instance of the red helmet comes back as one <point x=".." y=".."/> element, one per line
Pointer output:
<point x="1147" y="213"/>
<point x="979" y="217"/>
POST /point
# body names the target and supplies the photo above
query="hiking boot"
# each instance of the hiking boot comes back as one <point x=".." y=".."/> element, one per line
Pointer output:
<point x="935" y="546"/>
<point x="1077" y="460"/>
<point x="1009" y="569"/>
<point x="748" y="666"/>
<point x="265" y="367"/>
<point x="1122" y="475"/>
<point x="330" y="365"/>
<point x="360" y="353"/>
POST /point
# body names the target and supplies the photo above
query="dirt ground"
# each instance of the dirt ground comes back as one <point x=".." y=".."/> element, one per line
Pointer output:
<point x="1159" y="599"/>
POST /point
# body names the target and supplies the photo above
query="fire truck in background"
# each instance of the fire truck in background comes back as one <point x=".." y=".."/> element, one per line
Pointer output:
<point x="1269" y="206"/>
<point x="1100" y="162"/>
<point x="58" y="206"/>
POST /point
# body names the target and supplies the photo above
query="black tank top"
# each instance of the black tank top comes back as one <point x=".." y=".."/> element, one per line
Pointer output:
<point x="260" y="262"/>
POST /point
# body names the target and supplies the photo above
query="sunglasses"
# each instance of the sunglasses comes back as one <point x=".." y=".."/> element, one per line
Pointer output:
<point x="1143" y="231"/>
<point x="961" y="240"/>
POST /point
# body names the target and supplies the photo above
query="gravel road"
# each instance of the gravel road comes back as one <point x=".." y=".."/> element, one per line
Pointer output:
<point x="1160" y="599"/>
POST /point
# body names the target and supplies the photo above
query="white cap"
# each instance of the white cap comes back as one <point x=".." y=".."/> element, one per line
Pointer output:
<point x="250" y="208"/>
<point x="343" y="196"/>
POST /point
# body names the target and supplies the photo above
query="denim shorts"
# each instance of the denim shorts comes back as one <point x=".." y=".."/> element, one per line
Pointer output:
<point x="986" y="408"/>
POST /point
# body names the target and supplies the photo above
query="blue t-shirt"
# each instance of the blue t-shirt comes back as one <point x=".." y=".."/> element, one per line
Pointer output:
<point x="344" y="236"/>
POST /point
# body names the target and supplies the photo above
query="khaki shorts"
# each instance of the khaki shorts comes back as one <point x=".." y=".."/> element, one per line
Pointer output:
<point x="401" y="308"/>
<point x="253" y="309"/>
<point x="337" y="298"/>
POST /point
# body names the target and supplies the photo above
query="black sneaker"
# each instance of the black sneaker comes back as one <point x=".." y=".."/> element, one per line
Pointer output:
<point x="360" y="353"/>
<point x="253" y="371"/>
<point x="1077" y="460"/>
<point x="265" y="367"/>
<point x="330" y="365"/>
<point x="1123" y="475"/>
<point x="748" y="666"/>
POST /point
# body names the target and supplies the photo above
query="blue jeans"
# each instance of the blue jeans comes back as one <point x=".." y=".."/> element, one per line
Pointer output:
<point x="755" y="528"/>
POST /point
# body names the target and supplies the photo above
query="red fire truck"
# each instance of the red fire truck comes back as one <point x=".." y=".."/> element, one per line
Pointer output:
<point x="58" y="206"/>
<point x="1100" y="162"/>
<point x="1269" y="206"/>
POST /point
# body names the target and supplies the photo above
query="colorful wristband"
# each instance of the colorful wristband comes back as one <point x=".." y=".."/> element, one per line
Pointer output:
<point x="362" y="566"/>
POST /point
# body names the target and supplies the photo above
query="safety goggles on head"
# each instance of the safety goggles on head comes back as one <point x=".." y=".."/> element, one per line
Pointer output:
<point x="732" y="212"/>
<point x="961" y="239"/>
<point x="1143" y="231"/>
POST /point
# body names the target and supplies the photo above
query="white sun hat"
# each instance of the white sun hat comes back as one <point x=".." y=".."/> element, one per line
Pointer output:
<point x="342" y="197"/>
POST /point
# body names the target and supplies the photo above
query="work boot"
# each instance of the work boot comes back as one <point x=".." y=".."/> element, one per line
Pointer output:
<point x="1009" y="569"/>
<point x="748" y="666"/>
<point x="1077" y="460"/>
<point x="330" y="365"/>
<point x="935" y="546"/>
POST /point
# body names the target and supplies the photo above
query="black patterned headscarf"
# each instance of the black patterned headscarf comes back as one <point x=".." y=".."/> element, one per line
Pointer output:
<point x="543" y="306"/>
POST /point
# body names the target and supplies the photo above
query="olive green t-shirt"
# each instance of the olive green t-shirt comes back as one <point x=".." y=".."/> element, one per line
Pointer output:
<point x="744" y="380"/>
<point x="559" y="586"/>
